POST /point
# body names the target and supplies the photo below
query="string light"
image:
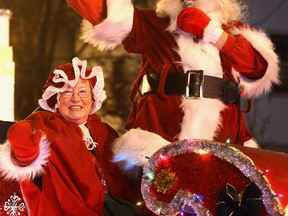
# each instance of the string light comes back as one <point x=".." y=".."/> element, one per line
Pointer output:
<point x="228" y="141"/>
<point x="139" y="203"/>
<point x="277" y="196"/>
<point x="145" y="156"/>
<point x="265" y="172"/>
<point x="149" y="176"/>
<point x="201" y="152"/>
<point x="162" y="158"/>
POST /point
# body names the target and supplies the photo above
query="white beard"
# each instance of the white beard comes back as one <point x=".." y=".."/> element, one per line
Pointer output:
<point x="172" y="8"/>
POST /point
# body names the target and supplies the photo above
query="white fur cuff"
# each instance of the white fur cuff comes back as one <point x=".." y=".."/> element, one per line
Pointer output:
<point x="10" y="170"/>
<point x="212" y="32"/>
<point x="134" y="146"/>
<point x="251" y="143"/>
<point x="112" y="31"/>
<point x="262" y="43"/>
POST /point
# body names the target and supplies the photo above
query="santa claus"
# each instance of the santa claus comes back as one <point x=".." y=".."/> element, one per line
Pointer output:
<point x="198" y="60"/>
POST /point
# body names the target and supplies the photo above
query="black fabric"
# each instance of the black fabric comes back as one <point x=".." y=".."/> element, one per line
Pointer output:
<point x="4" y="127"/>
<point x="117" y="207"/>
<point x="249" y="203"/>
<point x="213" y="87"/>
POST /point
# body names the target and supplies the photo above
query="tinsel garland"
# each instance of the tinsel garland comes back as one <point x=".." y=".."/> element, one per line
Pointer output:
<point x="170" y="174"/>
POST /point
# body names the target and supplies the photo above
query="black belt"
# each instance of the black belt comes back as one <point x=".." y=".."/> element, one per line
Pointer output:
<point x="192" y="84"/>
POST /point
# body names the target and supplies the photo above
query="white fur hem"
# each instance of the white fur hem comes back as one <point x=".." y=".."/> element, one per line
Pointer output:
<point x="251" y="143"/>
<point x="135" y="146"/>
<point x="113" y="30"/>
<point x="10" y="170"/>
<point x="261" y="42"/>
<point x="201" y="118"/>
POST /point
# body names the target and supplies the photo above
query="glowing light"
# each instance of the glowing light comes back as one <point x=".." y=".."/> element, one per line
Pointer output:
<point x="149" y="176"/>
<point x="7" y="69"/>
<point x="4" y="25"/>
<point x="139" y="203"/>
<point x="278" y="195"/>
<point x="266" y="171"/>
<point x="202" y="152"/>
<point x="228" y="141"/>
<point x="162" y="157"/>
<point x="158" y="211"/>
<point x="7" y="92"/>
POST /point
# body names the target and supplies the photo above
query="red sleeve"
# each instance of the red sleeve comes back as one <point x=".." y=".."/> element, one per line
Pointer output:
<point x="133" y="43"/>
<point x="240" y="54"/>
<point x="95" y="11"/>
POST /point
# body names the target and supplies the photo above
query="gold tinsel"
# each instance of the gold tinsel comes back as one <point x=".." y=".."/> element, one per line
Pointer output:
<point x="165" y="181"/>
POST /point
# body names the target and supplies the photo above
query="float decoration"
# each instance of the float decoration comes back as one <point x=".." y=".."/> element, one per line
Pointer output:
<point x="195" y="172"/>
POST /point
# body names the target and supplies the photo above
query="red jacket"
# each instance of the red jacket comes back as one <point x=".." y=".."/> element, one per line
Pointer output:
<point x="73" y="181"/>
<point x="161" y="113"/>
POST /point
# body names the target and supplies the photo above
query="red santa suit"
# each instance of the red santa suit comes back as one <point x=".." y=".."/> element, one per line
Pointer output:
<point x="247" y="58"/>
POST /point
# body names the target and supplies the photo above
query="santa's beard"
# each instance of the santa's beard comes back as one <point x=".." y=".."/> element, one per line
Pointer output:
<point x="221" y="10"/>
<point x="169" y="7"/>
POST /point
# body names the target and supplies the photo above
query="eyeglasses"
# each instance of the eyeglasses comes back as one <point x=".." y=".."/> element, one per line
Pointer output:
<point x="70" y="93"/>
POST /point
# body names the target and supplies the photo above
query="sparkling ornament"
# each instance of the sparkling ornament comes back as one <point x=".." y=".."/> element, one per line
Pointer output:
<point x="165" y="181"/>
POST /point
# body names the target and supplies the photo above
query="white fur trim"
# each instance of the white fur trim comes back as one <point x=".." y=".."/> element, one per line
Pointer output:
<point x="196" y="124"/>
<point x="10" y="170"/>
<point x="260" y="41"/>
<point x="212" y="32"/>
<point x="286" y="211"/>
<point x="113" y="30"/>
<point x="201" y="118"/>
<point x="136" y="144"/>
<point x="199" y="56"/>
<point x="251" y="143"/>
<point x="220" y="10"/>
<point x="171" y="8"/>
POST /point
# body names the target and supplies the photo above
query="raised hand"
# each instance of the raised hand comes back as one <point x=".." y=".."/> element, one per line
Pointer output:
<point x="25" y="142"/>
<point x="193" y="20"/>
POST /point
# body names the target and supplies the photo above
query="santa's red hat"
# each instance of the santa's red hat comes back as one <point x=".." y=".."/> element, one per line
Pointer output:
<point x="68" y="74"/>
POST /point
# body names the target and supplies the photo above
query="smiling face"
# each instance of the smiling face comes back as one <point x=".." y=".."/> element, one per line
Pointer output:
<point x="74" y="108"/>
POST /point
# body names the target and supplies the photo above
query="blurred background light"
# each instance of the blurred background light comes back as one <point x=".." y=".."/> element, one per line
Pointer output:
<point x="7" y="69"/>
